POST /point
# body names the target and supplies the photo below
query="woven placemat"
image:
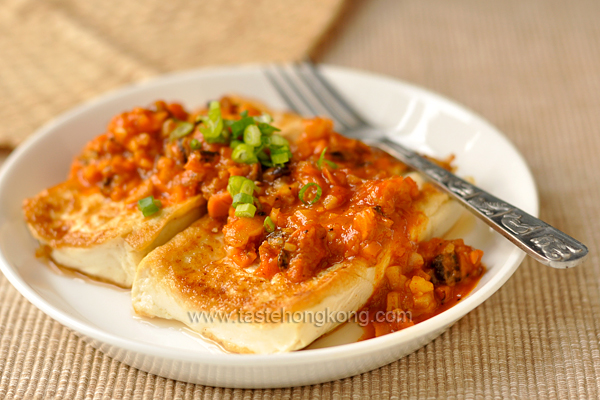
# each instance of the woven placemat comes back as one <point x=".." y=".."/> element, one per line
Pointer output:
<point x="56" y="54"/>
<point x="531" y="68"/>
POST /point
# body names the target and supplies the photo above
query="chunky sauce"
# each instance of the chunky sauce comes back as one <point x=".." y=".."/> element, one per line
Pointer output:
<point x="447" y="271"/>
<point x="136" y="157"/>
<point x="357" y="206"/>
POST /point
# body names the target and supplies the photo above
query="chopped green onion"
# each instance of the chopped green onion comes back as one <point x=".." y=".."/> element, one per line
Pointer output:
<point x="265" y="118"/>
<point x="239" y="184"/>
<point x="244" y="153"/>
<point x="213" y="124"/>
<point x="234" y="143"/>
<point x="279" y="148"/>
<point x="322" y="159"/>
<point x="195" y="144"/>
<point x="242" y="190"/>
<point x="264" y="159"/>
<point x="245" y="210"/>
<point x="303" y="192"/>
<point x="182" y="129"/>
<point x="260" y="148"/>
<point x="149" y="206"/>
<point x="267" y="129"/>
<point x="235" y="184"/>
<point x="248" y="187"/>
<point x="242" y="198"/>
<point x="277" y="140"/>
<point x="214" y="111"/>
<point x="252" y="135"/>
<point x="280" y="157"/>
<point x="269" y="225"/>
<point x="238" y="127"/>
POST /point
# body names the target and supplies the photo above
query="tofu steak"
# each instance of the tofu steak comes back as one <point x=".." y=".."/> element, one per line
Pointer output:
<point x="339" y="228"/>
<point x="92" y="222"/>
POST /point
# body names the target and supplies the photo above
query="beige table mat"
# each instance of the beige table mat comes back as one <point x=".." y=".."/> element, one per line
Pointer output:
<point x="530" y="67"/>
<point x="55" y="54"/>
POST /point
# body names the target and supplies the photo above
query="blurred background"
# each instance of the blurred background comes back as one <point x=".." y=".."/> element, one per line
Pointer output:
<point x="530" y="67"/>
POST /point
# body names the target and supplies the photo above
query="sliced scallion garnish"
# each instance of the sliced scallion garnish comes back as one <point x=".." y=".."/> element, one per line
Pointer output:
<point x="195" y="144"/>
<point x="267" y="129"/>
<point x="248" y="187"/>
<point x="252" y="136"/>
<point x="238" y="127"/>
<point x="269" y="225"/>
<point x="277" y="140"/>
<point x="242" y="198"/>
<point x="182" y="129"/>
<point x="245" y="210"/>
<point x="149" y="206"/>
<point x="239" y="184"/>
<point x="235" y="184"/>
<point x="213" y="124"/>
<point x="244" y="153"/>
<point x="322" y="159"/>
<point x="302" y="193"/>
<point x="234" y="143"/>
<point x="279" y="157"/>
<point x="264" y="118"/>
<point x="241" y="190"/>
<point x="264" y="159"/>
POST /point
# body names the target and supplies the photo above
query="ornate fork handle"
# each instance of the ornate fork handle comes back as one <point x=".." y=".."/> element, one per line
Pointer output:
<point x="541" y="241"/>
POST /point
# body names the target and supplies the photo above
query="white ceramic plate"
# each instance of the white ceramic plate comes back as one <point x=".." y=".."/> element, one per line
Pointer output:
<point x="103" y="316"/>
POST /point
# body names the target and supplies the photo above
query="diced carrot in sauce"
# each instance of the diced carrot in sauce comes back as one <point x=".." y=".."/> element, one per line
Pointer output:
<point x="365" y="208"/>
<point x="242" y="231"/>
<point x="371" y="250"/>
<point x="218" y="205"/>
<point x="242" y="258"/>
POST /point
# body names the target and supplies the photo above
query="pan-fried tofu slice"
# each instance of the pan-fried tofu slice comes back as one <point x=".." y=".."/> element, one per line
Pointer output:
<point x="90" y="223"/>
<point x="99" y="237"/>
<point x="191" y="279"/>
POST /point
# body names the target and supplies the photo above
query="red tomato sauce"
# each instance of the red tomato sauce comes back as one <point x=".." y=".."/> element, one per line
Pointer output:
<point x="355" y="206"/>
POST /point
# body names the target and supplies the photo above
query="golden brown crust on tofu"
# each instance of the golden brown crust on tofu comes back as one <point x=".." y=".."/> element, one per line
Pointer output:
<point x="195" y="267"/>
<point x="328" y="225"/>
<point x="192" y="274"/>
<point x="92" y="223"/>
<point x="64" y="217"/>
<point x="301" y="222"/>
<point x="99" y="237"/>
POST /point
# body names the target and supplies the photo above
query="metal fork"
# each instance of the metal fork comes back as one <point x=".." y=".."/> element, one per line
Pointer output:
<point x="305" y="90"/>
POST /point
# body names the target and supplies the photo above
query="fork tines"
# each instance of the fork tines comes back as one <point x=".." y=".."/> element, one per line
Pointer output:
<point x="306" y="91"/>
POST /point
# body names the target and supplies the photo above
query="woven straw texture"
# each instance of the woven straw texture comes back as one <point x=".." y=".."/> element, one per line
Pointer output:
<point x="56" y="54"/>
<point x="531" y="68"/>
